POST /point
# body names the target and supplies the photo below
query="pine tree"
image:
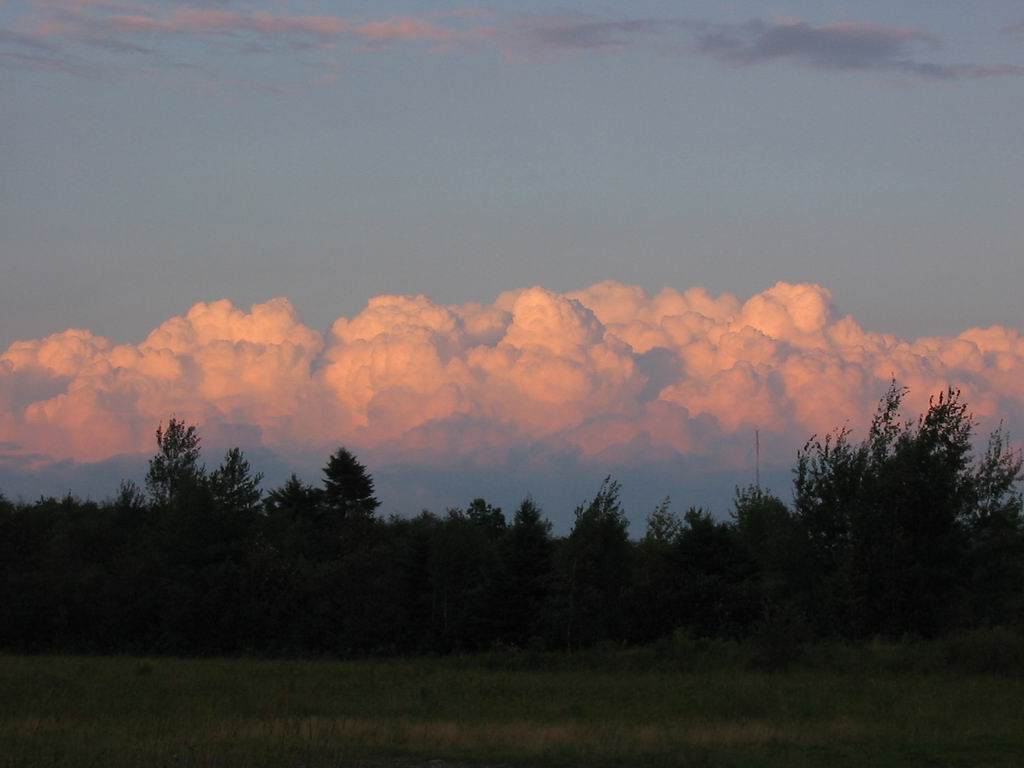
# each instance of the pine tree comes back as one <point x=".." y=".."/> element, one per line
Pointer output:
<point x="527" y="564"/>
<point x="348" y="488"/>
<point x="235" y="489"/>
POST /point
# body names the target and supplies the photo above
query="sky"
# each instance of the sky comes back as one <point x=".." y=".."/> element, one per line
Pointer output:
<point x="501" y="248"/>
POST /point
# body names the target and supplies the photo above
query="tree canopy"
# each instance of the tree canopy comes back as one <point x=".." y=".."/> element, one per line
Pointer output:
<point x="348" y="487"/>
<point x="175" y="468"/>
<point x="910" y="532"/>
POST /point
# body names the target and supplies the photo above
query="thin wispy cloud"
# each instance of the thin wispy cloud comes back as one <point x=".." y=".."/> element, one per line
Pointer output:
<point x="17" y="40"/>
<point x="86" y="25"/>
<point x="843" y="46"/>
<point x="184" y="27"/>
<point x="211" y="44"/>
<point x="554" y="33"/>
<point x="70" y="33"/>
<point x="836" y="46"/>
<point x="24" y="52"/>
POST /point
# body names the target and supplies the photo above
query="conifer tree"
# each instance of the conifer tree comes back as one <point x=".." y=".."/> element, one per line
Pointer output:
<point x="348" y="487"/>
<point x="235" y="489"/>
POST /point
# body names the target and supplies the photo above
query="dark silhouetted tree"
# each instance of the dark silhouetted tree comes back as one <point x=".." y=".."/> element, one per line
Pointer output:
<point x="175" y="468"/>
<point x="130" y="497"/>
<point x="887" y="520"/>
<point x="718" y="598"/>
<point x="907" y="533"/>
<point x="996" y="536"/>
<point x="663" y="526"/>
<point x="348" y="487"/>
<point x="596" y="570"/>
<point x="526" y="561"/>
<point x="294" y="519"/>
<point x="293" y="500"/>
<point x="655" y="609"/>
<point x="487" y="517"/>
<point x="235" y="489"/>
<point x="456" y="553"/>
<point x="774" y="540"/>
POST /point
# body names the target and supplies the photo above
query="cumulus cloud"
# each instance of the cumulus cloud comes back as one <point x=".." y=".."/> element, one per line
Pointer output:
<point x="610" y="375"/>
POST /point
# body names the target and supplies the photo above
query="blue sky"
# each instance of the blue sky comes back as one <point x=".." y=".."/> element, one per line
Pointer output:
<point x="158" y="154"/>
<point x="137" y="183"/>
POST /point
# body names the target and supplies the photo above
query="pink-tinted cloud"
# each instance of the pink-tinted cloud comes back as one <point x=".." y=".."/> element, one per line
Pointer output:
<point x="609" y="373"/>
<point x="208" y="21"/>
<point x="132" y="24"/>
<point x="111" y="38"/>
<point x="138" y="26"/>
<point x="405" y="28"/>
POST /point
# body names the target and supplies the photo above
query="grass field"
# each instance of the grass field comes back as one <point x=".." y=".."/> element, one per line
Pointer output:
<point x="83" y="711"/>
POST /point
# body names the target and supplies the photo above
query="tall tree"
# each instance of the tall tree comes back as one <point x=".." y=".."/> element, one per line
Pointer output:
<point x="716" y="577"/>
<point x="887" y="521"/>
<point x="773" y="539"/>
<point x="293" y="500"/>
<point x="129" y="498"/>
<point x="655" y="596"/>
<point x="526" y="565"/>
<point x="996" y="536"/>
<point x="294" y="520"/>
<point x="596" y="569"/>
<point x="175" y="468"/>
<point x="484" y="515"/>
<point x="348" y="487"/>
<point x="236" y="490"/>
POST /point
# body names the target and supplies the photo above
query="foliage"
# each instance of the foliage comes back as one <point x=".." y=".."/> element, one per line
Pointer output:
<point x="348" y="488"/>
<point x="526" y="575"/>
<point x="906" y="534"/>
<point x="236" y="490"/>
<point x="175" y="469"/>
<point x="891" y="522"/>
<point x="594" y="570"/>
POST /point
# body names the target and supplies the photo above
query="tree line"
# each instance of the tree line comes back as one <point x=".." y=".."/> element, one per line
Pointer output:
<point x="908" y="533"/>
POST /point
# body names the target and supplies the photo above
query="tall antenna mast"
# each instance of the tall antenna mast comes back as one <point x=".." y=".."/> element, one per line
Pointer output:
<point x="757" y="454"/>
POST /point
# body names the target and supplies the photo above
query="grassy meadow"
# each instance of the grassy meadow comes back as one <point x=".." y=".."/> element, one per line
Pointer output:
<point x="499" y="710"/>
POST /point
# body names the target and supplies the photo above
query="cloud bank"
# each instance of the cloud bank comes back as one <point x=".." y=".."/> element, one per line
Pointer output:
<point x="608" y="376"/>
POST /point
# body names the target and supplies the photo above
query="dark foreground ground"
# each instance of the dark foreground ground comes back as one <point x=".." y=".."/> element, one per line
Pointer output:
<point x="82" y="711"/>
